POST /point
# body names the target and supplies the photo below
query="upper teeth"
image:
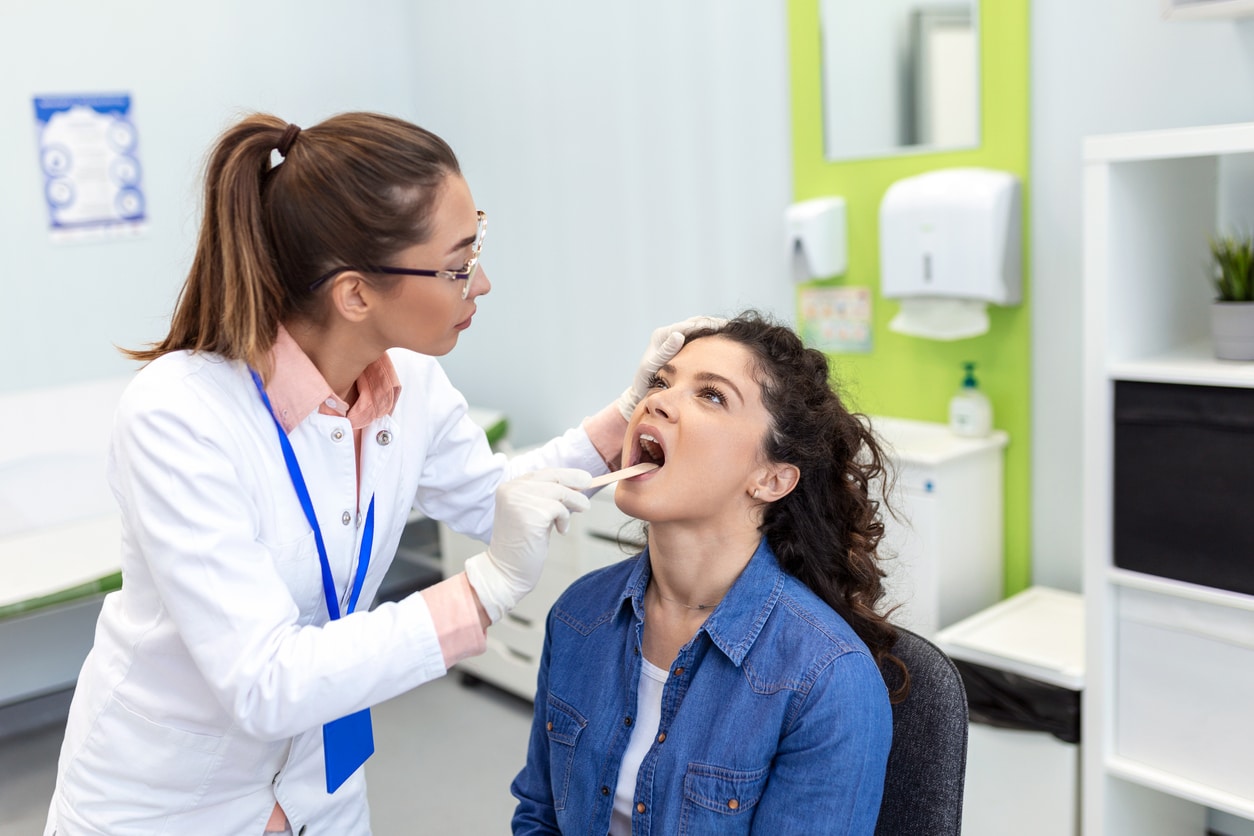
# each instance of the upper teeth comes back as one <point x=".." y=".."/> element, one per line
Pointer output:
<point x="650" y="445"/>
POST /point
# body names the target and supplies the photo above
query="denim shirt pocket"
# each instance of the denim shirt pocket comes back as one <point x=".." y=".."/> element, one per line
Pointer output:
<point x="719" y="800"/>
<point x="563" y="725"/>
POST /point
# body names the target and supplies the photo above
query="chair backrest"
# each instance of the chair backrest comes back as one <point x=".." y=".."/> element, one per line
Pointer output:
<point x="928" y="761"/>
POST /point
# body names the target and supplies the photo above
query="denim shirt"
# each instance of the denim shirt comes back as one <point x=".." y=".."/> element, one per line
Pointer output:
<point x="775" y="718"/>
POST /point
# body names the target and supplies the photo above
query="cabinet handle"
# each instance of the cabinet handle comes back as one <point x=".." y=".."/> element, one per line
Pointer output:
<point x="518" y="654"/>
<point x="526" y="622"/>
<point x="617" y="541"/>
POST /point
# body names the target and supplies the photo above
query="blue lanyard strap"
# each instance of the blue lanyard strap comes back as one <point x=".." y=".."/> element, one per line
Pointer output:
<point x="306" y="504"/>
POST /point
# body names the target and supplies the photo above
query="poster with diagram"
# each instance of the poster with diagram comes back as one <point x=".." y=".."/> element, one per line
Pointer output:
<point x="89" y="157"/>
<point x="837" y="319"/>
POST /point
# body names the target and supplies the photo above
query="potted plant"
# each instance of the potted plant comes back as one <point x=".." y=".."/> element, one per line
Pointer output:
<point x="1232" y="312"/>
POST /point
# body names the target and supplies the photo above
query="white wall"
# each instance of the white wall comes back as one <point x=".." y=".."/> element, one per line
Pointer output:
<point x="633" y="159"/>
<point x="190" y="68"/>
<point x="1099" y="68"/>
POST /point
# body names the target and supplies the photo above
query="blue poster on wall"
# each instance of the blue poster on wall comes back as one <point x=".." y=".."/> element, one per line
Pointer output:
<point x="89" y="156"/>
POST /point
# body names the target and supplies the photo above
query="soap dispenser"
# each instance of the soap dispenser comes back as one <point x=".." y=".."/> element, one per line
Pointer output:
<point x="970" y="413"/>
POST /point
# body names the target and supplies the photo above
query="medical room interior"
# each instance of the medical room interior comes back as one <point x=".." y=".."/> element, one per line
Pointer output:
<point x="944" y="196"/>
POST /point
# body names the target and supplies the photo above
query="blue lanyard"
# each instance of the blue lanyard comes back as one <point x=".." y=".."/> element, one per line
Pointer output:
<point x="302" y="493"/>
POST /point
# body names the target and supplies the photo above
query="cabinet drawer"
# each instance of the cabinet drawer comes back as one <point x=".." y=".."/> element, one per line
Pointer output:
<point x="604" y="519"/>
<point x="1185" y="687"/>
<point x="534" y="607"/>
<point x="596" y="552"/>
<point x="504" y="667"/>
<point x="521" y="636"/>
<point x="1182" y="493"/>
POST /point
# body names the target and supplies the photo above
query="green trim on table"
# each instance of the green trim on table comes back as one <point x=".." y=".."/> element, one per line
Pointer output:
<point x="108" y="583"/>
<point x="496" y="432"/>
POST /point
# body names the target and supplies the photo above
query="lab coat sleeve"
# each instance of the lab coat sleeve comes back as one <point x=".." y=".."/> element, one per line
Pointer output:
<point x="461" y="473"/>
<point x="571" y="449"/>
<point x="179" y="468"/>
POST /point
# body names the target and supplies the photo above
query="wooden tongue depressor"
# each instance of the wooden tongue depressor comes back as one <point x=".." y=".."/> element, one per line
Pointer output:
<point x="625" y="473"/>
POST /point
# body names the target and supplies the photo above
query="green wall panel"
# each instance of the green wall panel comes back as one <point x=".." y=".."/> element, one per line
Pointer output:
<point x="906" y="376"/>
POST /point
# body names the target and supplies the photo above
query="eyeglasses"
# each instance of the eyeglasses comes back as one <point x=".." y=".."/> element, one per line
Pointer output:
<point x="464" y="274"/>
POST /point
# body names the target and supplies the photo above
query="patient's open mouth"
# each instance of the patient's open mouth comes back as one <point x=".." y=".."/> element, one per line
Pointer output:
<point x="651" y="451"/>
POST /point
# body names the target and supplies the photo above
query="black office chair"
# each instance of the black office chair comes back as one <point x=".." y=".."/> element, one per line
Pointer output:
<point x="928" y="760"/>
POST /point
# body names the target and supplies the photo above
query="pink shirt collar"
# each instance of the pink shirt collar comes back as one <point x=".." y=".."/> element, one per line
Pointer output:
<point x="297" y="389"/>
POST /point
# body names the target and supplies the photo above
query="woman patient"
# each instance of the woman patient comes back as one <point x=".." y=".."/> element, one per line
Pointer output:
<point x="727" y="679"/>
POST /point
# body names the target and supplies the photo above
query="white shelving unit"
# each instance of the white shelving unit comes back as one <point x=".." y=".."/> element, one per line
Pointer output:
<point x="1169" y="699"/>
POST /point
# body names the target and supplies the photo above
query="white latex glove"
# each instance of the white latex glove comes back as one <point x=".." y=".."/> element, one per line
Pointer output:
<point x="527" y="508"/>
<point x="663" y="345"/>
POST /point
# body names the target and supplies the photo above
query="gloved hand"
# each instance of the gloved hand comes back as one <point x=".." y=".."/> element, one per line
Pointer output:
<point x="526" y="509"/>
<point x="663" y="345"/>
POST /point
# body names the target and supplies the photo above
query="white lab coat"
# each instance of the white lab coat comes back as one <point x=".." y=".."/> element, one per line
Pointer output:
<point x="214" y="667"/>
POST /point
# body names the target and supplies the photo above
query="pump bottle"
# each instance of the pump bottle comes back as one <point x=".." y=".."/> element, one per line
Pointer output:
<point x="970" y="413"/>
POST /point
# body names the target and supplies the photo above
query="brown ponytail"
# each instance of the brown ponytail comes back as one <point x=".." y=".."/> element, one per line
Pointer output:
<point x="354" y="189"/>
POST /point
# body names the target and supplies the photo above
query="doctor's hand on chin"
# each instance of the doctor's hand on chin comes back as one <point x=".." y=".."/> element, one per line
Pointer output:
<point x="527" y="509"/>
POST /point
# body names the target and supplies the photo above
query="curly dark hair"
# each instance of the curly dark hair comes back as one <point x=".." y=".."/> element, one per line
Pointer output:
<point x="826" y="532"/>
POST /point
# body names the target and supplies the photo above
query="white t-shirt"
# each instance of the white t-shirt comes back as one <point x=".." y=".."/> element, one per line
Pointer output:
<point x="643" y="733"/>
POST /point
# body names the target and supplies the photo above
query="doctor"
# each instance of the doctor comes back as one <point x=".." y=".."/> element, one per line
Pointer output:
<point x="265" y="462"/>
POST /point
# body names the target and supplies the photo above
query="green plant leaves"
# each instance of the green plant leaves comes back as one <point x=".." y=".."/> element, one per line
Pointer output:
<point x="1233" y="258"/>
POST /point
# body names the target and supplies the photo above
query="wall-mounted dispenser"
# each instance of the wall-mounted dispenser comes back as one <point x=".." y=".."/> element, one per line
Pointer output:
<point x="817" y="242"/>
<point x="950" y="243"/>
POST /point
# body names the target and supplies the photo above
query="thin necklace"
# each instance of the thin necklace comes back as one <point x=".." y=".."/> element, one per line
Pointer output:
<point x="659" y="594"/>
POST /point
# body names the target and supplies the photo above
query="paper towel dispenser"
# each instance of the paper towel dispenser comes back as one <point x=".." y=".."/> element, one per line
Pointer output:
<point x="950" y="242"/>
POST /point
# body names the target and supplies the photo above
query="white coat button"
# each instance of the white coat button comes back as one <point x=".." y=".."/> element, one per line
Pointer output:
<point x="347" y="518"/>
<point x="384" y="437"/>
<point x="331" y="402"/>
<point x="337" y="435"/>
<point x="359" y="519"/>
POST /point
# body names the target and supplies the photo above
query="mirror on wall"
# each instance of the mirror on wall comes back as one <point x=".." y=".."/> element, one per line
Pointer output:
<point x="899" y="76"/>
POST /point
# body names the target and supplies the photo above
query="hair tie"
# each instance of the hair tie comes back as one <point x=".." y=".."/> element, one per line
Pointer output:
<point x="289" y="136"/>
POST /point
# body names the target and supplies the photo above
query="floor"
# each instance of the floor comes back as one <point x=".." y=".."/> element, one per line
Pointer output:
<point x="445" y="754"/>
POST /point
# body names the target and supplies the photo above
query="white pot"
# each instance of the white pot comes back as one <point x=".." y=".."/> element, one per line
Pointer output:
<point x="1232" y="329"/>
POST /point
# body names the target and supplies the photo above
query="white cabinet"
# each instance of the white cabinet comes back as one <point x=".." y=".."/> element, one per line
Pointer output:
<point x="943" y="551"/>
<point x="596" y="538"/>
<point x="1169" y="698"/>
